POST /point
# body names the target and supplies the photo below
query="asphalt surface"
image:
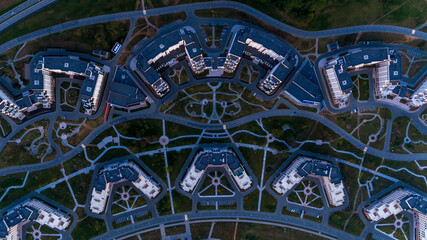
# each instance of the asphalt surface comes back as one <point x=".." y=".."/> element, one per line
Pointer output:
<point x="22" y="11"/>
<point x="153" y="113"/>
<point x="211" y="5"/>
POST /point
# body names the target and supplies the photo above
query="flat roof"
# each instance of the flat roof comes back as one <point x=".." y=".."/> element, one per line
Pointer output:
<point x="268" y="41"/>
<point x="161" y="44"/>
<point x="320" y="168"/>
<point x="149" y="73"/>
<point x="285" y="67"/>
<point x="366" y="55"/>
<point x="344" y="78"/>
<point x="395" y="67"/>
<point x="124" y="91"/>
<point x="114" y="174"/>
<point x="238" y="43"/>
<point x="89" y="83"/>
<point x="65" y="63"/>
<point x="191" y="43"/>
<point x="212" y="156"/>
<point x="305" y="85"/>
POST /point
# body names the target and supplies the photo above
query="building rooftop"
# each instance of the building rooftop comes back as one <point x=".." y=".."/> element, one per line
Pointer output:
<point x="366" y="56"/>
<point x="149" y="73"/>
<point x="238" y="42"/>
<point x="303" y="166"/>
<point x="395" y="67"/>
<point x="161" y="44"/>
<point x="89" y="83"/>
<point x="270" y="42"/>
<point x="112" y="174"/>
<point x="305" y="85"/>
<point x="283" y="69"/>
<point x="344" y="78"/>
<point x="124" y="91"/>
<point x="31" y="210"/>
<point x="117" y="172"/>
<point x="216" y="157"/>
<point x="191" y="43"/>
<point x="65" y="64"/>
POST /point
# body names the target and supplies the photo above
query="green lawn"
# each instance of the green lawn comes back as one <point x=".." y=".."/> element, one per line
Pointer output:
<point x="84" y="39"/>
<point x="35" y="180"/>
<point x="113" y="153"/>
<point x="250" y="201"/>
<point x="320" y="15"/>
<point x="76" y="163"/>
<point x="176" y="161"/>
<point x="363" y="86"/>
<point x="200" y="230"/>
<point x="398" y="133"/>
<point x="252" y="231"/>
<point x="16" y="154"/>
<point x="63" y="11"/>
<point x="157" y="164"/>
<point x="254" y="159"/>
<point x="6" y="5"/>
<point x="11" y="180"/>
<point x="80" y="185"/>
<point x="181" y="203"/>
<point x="268" y="202"/>
<point x="89" y="227"/>
<point x="164" y="205"/>
<point x="60" y="194"/>
<point x="5" y="126"/>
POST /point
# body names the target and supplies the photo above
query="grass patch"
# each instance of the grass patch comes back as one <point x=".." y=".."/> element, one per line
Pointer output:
<point x="200" y="230"/>
<point x="268" y="202"/>
<point x="89" y="227"/>
<point x="80" y="185"/>
<point x="76" y="163"/>
<point x="176" y="161"/>
<point x="164" y="205"/>
<point x="64" y="11"/>
<point x="363" y="86"/>
<point x="60" y="194"/>
<point x="35" y="181"/>
<point x="181" y="202"/>
<point x="254" y="159"/>
<point x="252" y="231"/>
<point x="157" y="164"/>
<point x="250" y="201"/>
<point x="83" y="39"/>
<point x="398" y="133"/>
<point x="5" y="127"/>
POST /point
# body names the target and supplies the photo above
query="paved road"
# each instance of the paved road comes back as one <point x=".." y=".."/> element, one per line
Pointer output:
<point x="216" y="126"/>
<point x="255" y="216"/>
<point x="224" y="214"/>
<point x="22" y="11"/>
<point x="211" y="5"/>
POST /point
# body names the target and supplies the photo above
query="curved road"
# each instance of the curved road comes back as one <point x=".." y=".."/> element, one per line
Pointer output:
<point x="211" y="5"/>
<point x="216" y="126"/>
<point x="222" y="214"/>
